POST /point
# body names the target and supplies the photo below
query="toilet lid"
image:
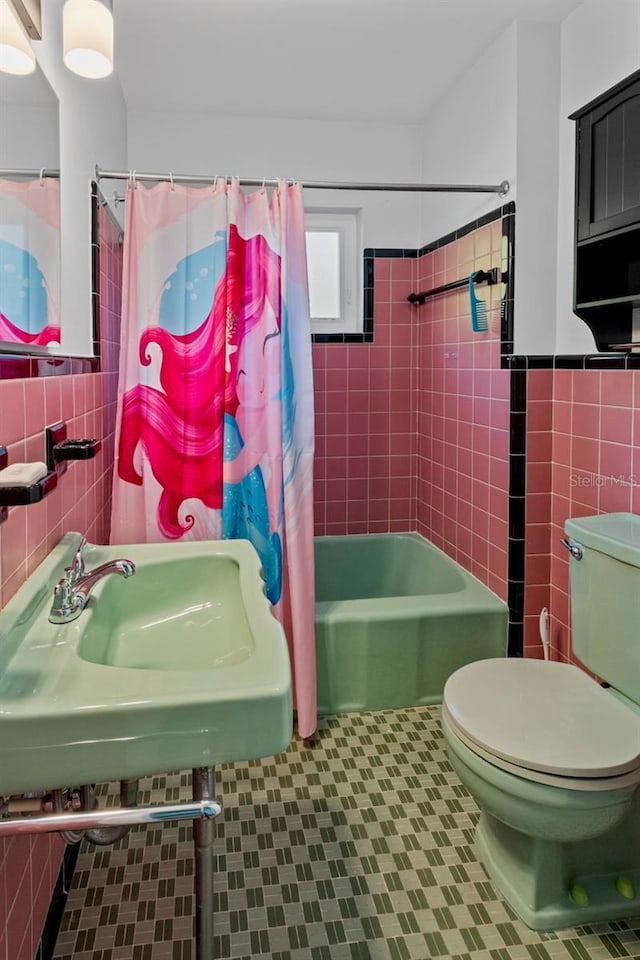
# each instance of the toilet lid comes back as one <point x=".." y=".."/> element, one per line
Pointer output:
<point x="544" y="716"/>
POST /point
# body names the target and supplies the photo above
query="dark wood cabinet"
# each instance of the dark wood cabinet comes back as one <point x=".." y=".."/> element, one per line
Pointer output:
<point x="607" y="251"/>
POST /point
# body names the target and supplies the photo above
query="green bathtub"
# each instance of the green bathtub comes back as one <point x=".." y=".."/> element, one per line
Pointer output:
<point x="394" y="618"/>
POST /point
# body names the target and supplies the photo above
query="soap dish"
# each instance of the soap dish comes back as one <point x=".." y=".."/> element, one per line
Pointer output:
<point x="23" y="495"/>
<point x="59" y="450"/>
<point x="76" y="450"/>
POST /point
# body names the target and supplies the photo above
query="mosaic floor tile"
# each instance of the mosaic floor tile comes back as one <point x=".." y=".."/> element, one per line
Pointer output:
<point x="360" y="848"/>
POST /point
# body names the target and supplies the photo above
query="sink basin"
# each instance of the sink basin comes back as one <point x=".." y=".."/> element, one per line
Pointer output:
<point x="139" y="624"/>
<point x="181" y="666"/>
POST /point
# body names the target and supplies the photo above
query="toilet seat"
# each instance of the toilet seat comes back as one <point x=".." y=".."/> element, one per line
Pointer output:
<point x="544" y="721"/>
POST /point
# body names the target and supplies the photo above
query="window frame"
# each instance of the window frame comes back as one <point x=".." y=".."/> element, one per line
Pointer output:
<point x="346" y="223"/>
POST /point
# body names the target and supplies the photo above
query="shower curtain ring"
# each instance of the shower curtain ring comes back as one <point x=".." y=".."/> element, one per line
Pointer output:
<point x="264" y="181"/>
<point x="215" y="182"/>
<point x="132" y="179"/>
<point x="171" y="181"/>
<point x="42" y="176"/>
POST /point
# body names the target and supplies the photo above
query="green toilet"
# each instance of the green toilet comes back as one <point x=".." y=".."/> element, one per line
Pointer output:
<point x="552" y="756"/>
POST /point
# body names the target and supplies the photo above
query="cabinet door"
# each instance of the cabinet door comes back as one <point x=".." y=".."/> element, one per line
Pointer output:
<point x="609" y="165"/>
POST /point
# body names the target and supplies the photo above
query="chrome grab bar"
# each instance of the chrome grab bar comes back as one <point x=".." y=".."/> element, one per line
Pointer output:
<point x="118" y="816"/>
<point x="574" y="548"/>
<point x="203" y="810"/>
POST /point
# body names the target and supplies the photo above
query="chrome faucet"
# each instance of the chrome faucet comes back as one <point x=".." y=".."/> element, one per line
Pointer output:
<point x="72" y="591"/>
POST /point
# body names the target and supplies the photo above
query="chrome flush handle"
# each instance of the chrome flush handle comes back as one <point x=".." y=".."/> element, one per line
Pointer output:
<point x="574" y="548"/>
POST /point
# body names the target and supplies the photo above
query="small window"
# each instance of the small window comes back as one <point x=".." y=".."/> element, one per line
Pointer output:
<point x="333" y="267"/>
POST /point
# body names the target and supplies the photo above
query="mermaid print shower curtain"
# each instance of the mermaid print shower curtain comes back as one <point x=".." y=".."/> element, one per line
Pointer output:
<point x="214" y="432"/>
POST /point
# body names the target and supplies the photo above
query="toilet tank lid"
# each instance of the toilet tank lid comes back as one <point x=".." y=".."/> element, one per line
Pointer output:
<point x="615" y="534"/>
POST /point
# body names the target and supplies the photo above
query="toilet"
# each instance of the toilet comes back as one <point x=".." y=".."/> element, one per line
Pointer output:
<point x="552" y="756"/>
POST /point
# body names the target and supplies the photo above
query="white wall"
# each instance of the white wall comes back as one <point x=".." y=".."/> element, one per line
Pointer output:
<point x="508" y="118"/>
<point x="92" y="131"/>
<point x="499" y="122"/>
<point x="255" y="147"/>
<point x="29" y="138"/>
<point x="600" y="45"/>
<point x="470" y="137"/>
<point x="538" y="91"/>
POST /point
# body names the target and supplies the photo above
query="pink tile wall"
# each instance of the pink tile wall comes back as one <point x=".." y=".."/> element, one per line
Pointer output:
<point x="29" y="865"/>
<point x="462" y="399"/>
<point x="365" y="417"/>
<point x="595" y="467"/>
<point x="412" y="431"/>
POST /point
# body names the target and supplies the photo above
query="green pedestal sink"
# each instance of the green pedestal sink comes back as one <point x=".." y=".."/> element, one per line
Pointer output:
<point x="181" y="666"/>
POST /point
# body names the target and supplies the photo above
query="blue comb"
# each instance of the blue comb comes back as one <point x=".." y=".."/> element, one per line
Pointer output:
<point x="479" y="320"/>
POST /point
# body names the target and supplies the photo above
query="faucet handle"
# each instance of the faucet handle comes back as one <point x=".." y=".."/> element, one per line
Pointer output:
<point x="65" y="606"/>
<point x="77" y="568"/>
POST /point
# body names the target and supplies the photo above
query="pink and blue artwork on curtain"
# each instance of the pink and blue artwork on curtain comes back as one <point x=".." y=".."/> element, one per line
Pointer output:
<point x="215" y="411"/>
<point x="30" y="261"/>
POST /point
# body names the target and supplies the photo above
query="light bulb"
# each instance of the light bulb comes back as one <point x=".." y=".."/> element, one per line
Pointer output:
<point x="87" y="31"/>
<point x="16" y="53"/>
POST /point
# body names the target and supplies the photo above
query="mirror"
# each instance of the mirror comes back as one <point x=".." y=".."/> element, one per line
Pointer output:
<point x="29" y="214"/>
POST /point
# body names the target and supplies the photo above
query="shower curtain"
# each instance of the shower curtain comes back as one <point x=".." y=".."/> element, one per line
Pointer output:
<point x="214" y="429"/>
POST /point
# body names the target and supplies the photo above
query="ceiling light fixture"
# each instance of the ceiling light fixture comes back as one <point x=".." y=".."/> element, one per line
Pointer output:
<point x="87" y="31"/>
<point x="16" y="53"/>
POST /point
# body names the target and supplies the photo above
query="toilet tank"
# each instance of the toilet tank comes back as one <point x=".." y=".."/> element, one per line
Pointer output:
<point x="605" y="598"/>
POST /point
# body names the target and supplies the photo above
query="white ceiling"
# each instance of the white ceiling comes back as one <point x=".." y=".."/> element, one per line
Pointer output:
<point x="370" y="60"/>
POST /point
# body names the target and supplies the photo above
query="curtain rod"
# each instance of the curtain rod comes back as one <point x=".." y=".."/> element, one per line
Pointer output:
<point x="500" y="188"/>
<point x="40" y="172"/>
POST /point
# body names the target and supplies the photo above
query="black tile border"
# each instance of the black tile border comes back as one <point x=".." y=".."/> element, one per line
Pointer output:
<point x="504" y="211"/>
<point x="370" y="254"/>
<point x="574" y="361"/>
<point x="47" y="945"/>
<point x="536" y="362"/>
<point x="517" y="428"/>
<point x="517" y="513"/>
<point x="517" y="367"/>
<point x="516" y="548"/>
<point x="508" y="280"/>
